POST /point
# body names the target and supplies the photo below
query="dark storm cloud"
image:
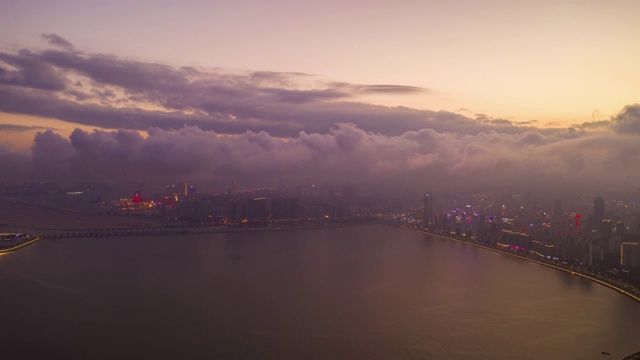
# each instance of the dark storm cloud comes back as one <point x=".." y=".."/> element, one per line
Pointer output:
<point x="56" y="40"/>
<point x="628" y="120"/>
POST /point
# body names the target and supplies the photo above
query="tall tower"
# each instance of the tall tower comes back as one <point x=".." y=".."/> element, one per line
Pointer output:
<point x="428" y="209"/>
<point x="598" y="211"/>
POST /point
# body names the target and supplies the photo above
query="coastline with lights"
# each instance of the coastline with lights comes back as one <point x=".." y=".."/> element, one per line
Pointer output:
<point x="10" y="242"/>
<point x="633" y="293"/>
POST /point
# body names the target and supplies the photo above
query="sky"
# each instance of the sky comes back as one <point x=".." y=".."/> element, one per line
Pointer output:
<point x="414" y="94"/>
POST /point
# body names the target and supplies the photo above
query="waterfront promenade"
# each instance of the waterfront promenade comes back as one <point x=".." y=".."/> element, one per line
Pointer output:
<point x="625" y="289"/>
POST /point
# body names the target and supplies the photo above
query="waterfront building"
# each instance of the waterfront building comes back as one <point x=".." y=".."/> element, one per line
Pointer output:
<point x="630" y="254"/>
<point x="428" y="209"/>
<point x="543" y="249"/>
<point x="257" y="209"/>
<point x="441" y="220"/>
<point x="284" y="209"/>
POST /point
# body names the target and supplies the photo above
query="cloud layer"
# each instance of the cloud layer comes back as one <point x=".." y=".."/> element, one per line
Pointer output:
<point x="212" y="127"/>
<point x="111" y="92"/>
<point x="414" y="160"/>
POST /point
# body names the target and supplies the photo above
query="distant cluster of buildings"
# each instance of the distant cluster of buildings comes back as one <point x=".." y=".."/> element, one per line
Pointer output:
<point x="183" y="202"/>
<point x="604" y="238"/>
<point x="589" y="231"/>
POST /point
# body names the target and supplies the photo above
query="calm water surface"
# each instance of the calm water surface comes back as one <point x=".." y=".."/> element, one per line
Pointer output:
<point x="353" y="293"/>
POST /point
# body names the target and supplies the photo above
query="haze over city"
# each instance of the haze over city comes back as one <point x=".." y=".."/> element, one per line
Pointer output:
<point x="410" y="95"/>
<point x="366" y="179"/>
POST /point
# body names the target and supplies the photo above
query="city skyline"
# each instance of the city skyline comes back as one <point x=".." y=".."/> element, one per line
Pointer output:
<point x="438" y="96"/>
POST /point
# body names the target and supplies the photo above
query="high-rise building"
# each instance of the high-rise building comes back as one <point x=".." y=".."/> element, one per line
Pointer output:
<point x="598" y="210"/>
<point x="257" y="209"/>
<point x="620" y="228"/>
<point x="284" y="209"/>
<point x="578" y="228"/>
<point x="606" y="228"/>
<point x="428" y="209"/>
<point x="557" y="208"/>
<point x="630" y="254"/>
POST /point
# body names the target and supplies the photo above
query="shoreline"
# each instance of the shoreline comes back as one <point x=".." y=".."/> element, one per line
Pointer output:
<point x="18" y="247"/>
<point x="568" y="271"/>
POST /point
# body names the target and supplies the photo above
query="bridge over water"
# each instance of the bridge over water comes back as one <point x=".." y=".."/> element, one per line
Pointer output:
<point x="195" y="229"/>
<point x="110" y="232"/>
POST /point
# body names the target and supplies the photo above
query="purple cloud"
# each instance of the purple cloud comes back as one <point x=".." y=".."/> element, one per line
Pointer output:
<point x="117" y="93"/>
<point x="56" y="40"/>
<point x="28" y="70"/>
<point x="413" y="160"/>
<point x="19" y="128"/>
<point x="628" y="120"/>
<point x="210" y="126"/>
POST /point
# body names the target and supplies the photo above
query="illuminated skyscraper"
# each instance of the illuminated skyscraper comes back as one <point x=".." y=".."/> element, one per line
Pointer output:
<point x="428" y="209"/>
<point x="578" y="228"/>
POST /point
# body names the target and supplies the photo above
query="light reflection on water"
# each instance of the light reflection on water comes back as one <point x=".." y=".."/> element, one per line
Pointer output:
<point x="359" y="293"/>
